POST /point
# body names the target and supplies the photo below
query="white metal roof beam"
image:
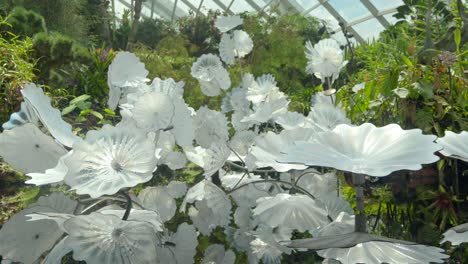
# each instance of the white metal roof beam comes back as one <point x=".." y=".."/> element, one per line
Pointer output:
<point x="173" y="11"/>
<point x="375" y="13"/>
<point x="129" y="6"/>
<point x="225" y="8"/>
<point x="254" y="5"/>
<point x="187" y="3"/>
<point x="310" y="9"/>
<point x="162" y="11"/>
<point x="266" y="5"/>
<point x="368" y="17"/>
<point x="338" y="17"/>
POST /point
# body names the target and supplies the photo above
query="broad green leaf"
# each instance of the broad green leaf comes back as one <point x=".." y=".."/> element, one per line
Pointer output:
<point x="457" y="37"/>
<point x="68" y="109"/>
<point x="97" y="114"/>
<point x="406" y="60"/>
<point x="80" y="99"/>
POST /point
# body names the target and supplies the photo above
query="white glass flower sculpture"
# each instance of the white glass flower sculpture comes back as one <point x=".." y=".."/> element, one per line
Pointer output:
<point x="159" y="200"/>
<point x="212" y="206"/>
<point x="226" y="23"/>
<point x="291" y="120"/>
<point x="180" y="247"/>
<point x="50" y="176"/>
<point x="267" y="148"/>
<point x="343" y="224"/>
<point x="263" y="89"/>
<point x="266" y="248"/>
<point x="211" y="74"/>
<point x="455" y="145"/>
<point x="176" y="189"/>
<point x="290" y="211"/>
<point x="110" y="159"/>
<point x="247" y="195"/>
<point x="316" y="183"/>
<point x="241" y="142"/>
<point x="126" y="70"/>
<point x="325" y="59"/>
<point x="150" y="217"/>
<point x="366" y="149"/>
<point x="456" y="235"/>
<point x="211" y="160"/>
<point x="25" y="115"/>
<point x="268" y="111"/>
<point x="153" y="111"/>
<point x="50" y="117"/>
<point x="217" y="254"/>
<point x="376" y="252"/>
<point x="235" y="101"/>
<point x="27" y="149"/>
<point x="167" y="86"/>
<point x="235" y="44"/>
<point x="327" y="117"/>
<point x="25" y="241"/>
<point x="101" y="238"/>
<point x="210" y="126"/>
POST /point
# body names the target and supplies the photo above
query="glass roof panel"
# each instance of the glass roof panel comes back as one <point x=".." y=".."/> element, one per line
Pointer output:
<point x="240" y="6"/>
<point x="210" y="4"/>
<point x="369" y="29"/>
<point x="385" y="4"/>
<point x="322" y="13"/>
<point x="350" y="12"/>
<point x="305" y="4"/>
<point x="184" y="7"/>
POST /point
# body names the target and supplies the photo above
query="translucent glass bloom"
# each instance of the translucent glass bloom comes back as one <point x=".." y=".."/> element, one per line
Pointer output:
<point x="110" y="159"/>
<point x="211" y="74"/>
<point x="25" y="115"/>
<point x="159" y="200"/>
<point x="376" y="252"/>
<point x="455" y="145"/>
<point x="210" y="126"/>
<point x="153" y="111"/>
<point x="50" y="117"/>
<point x="235" y="44"/>
<point x="327" y="117"/>
<point x="27" y="149"/>
<point x="456" y="235"/>
<point x="325" y="59"/>
<point x="226" y="23"/>
<point x="126" y="70"/>
<point x="366" y="149"/>
<point x="101" y="238"/>
<point x="217" y="254"/>
<point x="267" y="148"/>
<point x="290" y="211"/>
<point x="25" y="241"/>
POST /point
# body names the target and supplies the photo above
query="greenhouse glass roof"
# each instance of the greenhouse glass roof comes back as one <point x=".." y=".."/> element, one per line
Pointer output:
<point x="365" y="19"/>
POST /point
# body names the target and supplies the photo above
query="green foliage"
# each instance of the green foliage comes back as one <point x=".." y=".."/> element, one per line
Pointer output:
<point x="16" y="68"/>
<point x="53" y="51"/>
<point x="201" y="32"/>
<point x="62" y="16"/>
<point x="284" y="59"/>
<point x="151" y="31"/>
<point x="26" y="23"/>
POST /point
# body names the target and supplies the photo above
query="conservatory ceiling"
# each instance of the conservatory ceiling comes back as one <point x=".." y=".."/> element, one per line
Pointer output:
<point x="365" y="19"/>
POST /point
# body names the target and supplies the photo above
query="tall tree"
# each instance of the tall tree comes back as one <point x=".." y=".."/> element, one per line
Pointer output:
<point x="136" y="18"/>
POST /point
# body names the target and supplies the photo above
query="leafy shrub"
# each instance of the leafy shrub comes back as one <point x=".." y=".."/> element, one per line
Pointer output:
<point x="17" y="68"/>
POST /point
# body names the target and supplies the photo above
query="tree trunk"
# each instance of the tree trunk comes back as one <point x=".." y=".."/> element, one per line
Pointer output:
<point x="105" y="30"/>
<point x="136" y="18"/>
